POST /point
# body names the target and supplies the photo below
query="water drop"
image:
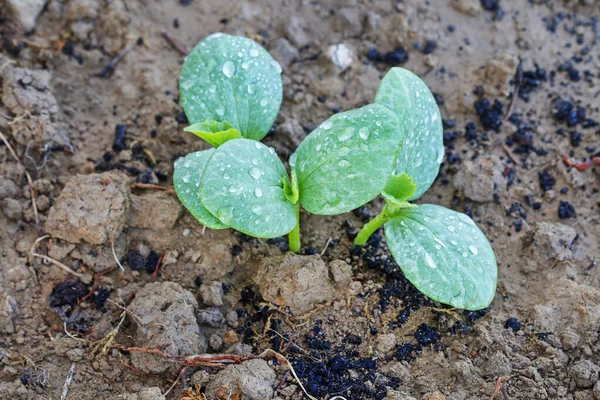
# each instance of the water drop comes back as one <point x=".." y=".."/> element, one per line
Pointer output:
<point x="220" y="111"/>
<point x="228" y="69"/>
<point x="363" y="133"/>
<point x="232" y="189"/>
<point x="254" y="161"/>
<point x="453" y="242"/>
<point x="226" y="176"/>
<point x="344" y="163"/>
<point x="257" y="210"/>
<point x="451" y="228"/>
<point x="264" y="102"/>
<point x="378" y="123"/>
<point x="346" y="134"/>
<point x="464" y="254"/>
<point x="251" y="89"/>
<point x="186" y="179"/>
<point x="245" y="65"/>
<point x="430" y="261"/>
<point x="439" y="242"/>
<point x="276" y="65"/>
<point x="258" y="192"/>
<point x="474" y="249"/>
<point x="318" y="148"/>
<point x="212" y="89"/>
<point x="327" y="125"/>
<point x="255" y="173"/>
<point x="253" y="53"/>
<point x="257" y="145"/>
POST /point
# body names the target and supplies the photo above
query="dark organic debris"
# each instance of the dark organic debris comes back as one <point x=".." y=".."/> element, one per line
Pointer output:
<point x="395" y="57"/>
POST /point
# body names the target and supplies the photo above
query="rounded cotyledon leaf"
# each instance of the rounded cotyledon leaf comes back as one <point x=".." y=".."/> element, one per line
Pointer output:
<point x="231" y="79"/>
<point x="243" y="187"/>
<point x="346" y="161"/>
<point x="187" y="176"/>
<point x="444" y="254"/>
<point x="421" y="124"/>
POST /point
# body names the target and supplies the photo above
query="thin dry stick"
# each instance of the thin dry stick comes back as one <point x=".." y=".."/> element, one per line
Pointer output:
<point x="29" y="180"/>
<point x="326" y="245"/>
<point x="112" y="246"/>
<point x="58" y="264"/>
<point x="67" y="383"/>
<point x="151" y="186"/>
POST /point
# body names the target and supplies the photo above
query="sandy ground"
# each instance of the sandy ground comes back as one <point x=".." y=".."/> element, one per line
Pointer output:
<point x="90" y="107"/>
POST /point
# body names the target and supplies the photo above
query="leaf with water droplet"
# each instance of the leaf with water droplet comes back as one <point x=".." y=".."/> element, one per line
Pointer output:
<point x="253" y="192"/>
<point x="360" y="163"/>
<point x="214" y="132"/>
<point x="457" y="268"/>
<point x="231" y="87"/>
<point x="421" y="124"/>
<point x="187" y="176"/>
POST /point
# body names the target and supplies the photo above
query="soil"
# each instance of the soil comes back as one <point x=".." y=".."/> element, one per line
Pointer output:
<point x="90" y="107"/>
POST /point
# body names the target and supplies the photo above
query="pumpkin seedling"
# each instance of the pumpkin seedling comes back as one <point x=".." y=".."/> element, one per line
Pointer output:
<point x="442" y="252"/>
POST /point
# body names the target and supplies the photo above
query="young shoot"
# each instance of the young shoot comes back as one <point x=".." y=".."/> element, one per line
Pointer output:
<point x="442" y="252"/>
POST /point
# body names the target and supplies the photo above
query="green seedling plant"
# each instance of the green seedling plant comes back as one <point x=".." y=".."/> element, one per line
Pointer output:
<point x="231" y="93"/>
<point x="440" y="251"/>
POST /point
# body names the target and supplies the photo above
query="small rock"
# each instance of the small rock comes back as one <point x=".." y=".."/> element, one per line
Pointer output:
<point x="497" y="365"/>
<point x="230" y="338"/>
<point x="200" y="378"/>
<point x="211" y="317"/>
<point x="397" y="369"/>
<point x="75" y="354"/>
<point x="12" y="209"/>
<point x="37" y="132"/>
<point x="101" y="258"/>
<point x="355" y="288"/>
<point x="154" y="210"/>
<point x="395" y="395"/>
<point x="215" y="342"/>
<point x="25" y="90"/>
<point x="82" y="9"/>
<point x="250" y="380"/>
<point x="212" y="295"/>
<point x="8" y="188"/>
<point x="153" y="393"/>
<point x="341" y="272"/>
<point x="91" y="208"/>
<point x="476" y="180"/>
<point x="232" y="319"/>
<point x="301" y="281"/>
<point x="284" y="52"/>
<point x="26" y="11"/>
<point x="546" y="241"/>
<point x="467" y="7"/>
<point x="596" y="391"/>
<point x="498" y="73"/>
<point x="584" y="373"/>
<point x="386" y="343"/>
<point x="165" y="317"/>
<point x="341" y="55"/>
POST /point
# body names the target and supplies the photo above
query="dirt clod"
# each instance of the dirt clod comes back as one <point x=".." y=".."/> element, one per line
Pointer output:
<point x="165" y="316"/>
<point x="301" y="281"/>
<point x="253" y="379"/>
<point x="91" y="208"/>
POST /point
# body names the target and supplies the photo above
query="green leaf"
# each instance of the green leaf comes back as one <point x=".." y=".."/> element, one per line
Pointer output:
<point x="421" y="123"/>
<point x="214" y="132"/>
<point x="231" y="79"/>
<point x="186" y="180"/>
<point x="346" y="161"/>
<point x="243" y="187"/>
<point x="445" y="255"/>
<point x="397" y="190"/>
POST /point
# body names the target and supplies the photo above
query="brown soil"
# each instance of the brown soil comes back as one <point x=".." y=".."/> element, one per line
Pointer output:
<point x="60" y="108"/>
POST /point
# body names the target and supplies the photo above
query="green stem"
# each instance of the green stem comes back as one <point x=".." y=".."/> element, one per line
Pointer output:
<point x="294" y="235"/>
<point x="370" y="227"/>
